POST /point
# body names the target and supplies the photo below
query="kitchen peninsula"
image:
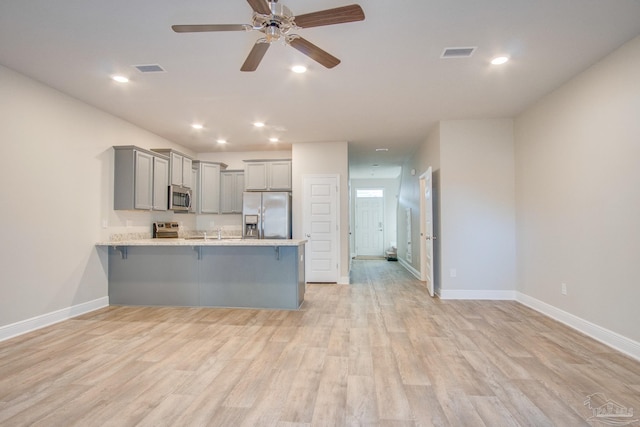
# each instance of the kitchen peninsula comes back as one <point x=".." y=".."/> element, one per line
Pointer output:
<point x="210" y="272"/>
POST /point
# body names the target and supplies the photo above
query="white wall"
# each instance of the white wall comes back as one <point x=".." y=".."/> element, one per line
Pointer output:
<point x="477" y="185"/>
<point x="391" y="189"/>
<point x="474" y="207"/>
<point x="323" y="158"/>
<point x="578" y="195"/>
<point x="57" y="179"/>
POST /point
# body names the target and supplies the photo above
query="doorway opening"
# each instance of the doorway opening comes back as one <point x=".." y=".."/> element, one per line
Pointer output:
<point x="369" y="223"/>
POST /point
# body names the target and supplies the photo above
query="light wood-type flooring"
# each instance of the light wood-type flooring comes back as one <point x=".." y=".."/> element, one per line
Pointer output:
<point x="378" y="352"/>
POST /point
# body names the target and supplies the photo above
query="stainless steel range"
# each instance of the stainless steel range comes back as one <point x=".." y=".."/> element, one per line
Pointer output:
<point x="165" y="230"/>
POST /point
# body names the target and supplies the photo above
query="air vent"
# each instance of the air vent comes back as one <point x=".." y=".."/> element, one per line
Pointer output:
<point x="458" y="52"/>
<point x="150" y="68"/>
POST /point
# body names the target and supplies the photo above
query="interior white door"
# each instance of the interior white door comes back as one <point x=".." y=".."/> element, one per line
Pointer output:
<point x="320" y="225"/>
<point x="426" y="230"/>
<point x="369" y="226"/>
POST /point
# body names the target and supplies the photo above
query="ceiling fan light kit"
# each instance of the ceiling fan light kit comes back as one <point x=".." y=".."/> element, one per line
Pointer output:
<point x="277" y="22"/>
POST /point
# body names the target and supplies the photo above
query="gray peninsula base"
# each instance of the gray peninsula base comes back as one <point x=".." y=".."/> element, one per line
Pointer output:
<point x="210" y="276"/>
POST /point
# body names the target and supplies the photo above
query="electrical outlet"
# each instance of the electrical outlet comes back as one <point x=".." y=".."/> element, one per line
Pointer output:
<point x="563" y="288"/>
<point x="453" y="272"/>
<point x="105" y="223"/>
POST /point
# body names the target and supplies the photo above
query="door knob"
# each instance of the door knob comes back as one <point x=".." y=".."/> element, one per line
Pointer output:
<point x="308" y="236"/>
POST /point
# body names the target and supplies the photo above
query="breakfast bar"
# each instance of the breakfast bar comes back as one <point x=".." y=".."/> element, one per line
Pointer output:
<point x="251" y="273"/>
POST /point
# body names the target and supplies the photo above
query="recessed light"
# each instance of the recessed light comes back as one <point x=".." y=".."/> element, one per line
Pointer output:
<point x="273" y="140"/>
<point x="258" y="124"/>
<point x="299" y="69"/>
<point x="120" y="79"/>
<point x="197" y="126"/>
<point x="221" y="141"/>
<point x="499" y="60"/>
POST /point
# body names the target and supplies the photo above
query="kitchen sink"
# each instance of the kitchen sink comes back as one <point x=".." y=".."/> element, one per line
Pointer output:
<point x="212" y="238"/>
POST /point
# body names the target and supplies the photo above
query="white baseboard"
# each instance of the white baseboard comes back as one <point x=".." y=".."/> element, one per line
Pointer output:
<point x="38" y="322"/>
<point x="477" y="294"/>
<point x="598" y="333"/>
<point x="409" y="268"/>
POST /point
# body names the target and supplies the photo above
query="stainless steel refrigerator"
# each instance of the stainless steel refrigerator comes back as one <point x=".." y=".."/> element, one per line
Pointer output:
<point x="266" y="215"/>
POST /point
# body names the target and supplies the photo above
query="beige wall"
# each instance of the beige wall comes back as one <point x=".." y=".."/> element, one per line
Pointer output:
<point x="477" y="187"/>
<point x="58" y="178"/>
<point x="473" y="166"/>
<point x="323" y="158"/>
<point x="578" y="195"/>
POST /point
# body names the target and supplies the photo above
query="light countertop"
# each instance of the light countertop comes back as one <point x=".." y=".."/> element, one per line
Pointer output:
<point x="204" y="242"/>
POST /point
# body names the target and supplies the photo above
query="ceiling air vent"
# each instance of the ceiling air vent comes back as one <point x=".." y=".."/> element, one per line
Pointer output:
<point x="150" y="68"/>
<point x="457" y="52"/>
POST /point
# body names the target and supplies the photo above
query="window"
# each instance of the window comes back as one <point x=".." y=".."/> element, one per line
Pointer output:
<point x="369" y="193"/>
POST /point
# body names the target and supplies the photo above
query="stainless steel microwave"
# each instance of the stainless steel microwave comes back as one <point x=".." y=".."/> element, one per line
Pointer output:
<point x="179" y="198"/>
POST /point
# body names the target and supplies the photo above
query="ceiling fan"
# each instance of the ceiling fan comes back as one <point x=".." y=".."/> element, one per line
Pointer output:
<point x="277" y="22"/>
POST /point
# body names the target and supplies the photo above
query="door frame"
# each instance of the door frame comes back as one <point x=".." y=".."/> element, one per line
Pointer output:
<point x="305" y="213"/>
<point x="423" y="233"/>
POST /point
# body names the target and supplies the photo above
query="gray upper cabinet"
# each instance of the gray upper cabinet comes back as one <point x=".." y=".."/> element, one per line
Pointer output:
<point x="267" y="175"/>
<point x="160" y="183"/>
<point x="140" y="179"/>
<point x="280" y="175"/>
<point x="231" y="188"/>
<point x="255" y="178"/>
<point x="208" y="186"/>
<point x="194" y="190"/>
<point x="180" y="166"/>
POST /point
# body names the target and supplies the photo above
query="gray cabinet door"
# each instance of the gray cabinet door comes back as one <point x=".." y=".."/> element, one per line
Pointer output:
<point x="231" y="188"/>
<point x="280" y="175"/>
<point x="186" y="172"/>
<point x="143" y="198"/>
<point x="209" y="188"/>
<point x="160" y="184"/>
<point x="256" y="176"/>
<point x="176" y="169"/>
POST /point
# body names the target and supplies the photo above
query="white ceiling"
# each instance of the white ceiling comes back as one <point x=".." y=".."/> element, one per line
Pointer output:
<point x="390" y="88"/>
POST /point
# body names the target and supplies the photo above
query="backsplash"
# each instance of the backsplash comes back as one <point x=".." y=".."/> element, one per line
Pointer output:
<point x="226" y="231"/>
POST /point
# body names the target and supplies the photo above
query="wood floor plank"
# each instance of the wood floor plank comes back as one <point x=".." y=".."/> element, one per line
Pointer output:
<point x="378" y="352"/>
<point x="330" y="404"/>
<point x="391" y="399"/>
<point x="361" y="406"/>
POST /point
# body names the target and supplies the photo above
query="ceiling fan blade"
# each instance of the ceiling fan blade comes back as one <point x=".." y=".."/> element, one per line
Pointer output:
<point x="255" y="56"/>
<point x="339" y="15"/>
<point x="314" y="52"/>
<point x="260" y="6"/>
<point x="212" y="27"/>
